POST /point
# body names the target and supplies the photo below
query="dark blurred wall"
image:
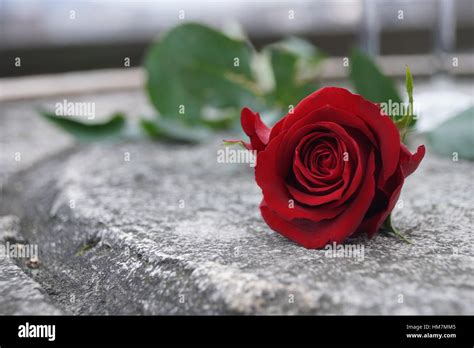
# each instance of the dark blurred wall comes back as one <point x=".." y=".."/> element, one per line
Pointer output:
<point x="57" y="36"/>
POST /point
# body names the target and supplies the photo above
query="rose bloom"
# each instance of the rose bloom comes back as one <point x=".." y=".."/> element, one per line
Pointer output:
<point x="333" y="167"/>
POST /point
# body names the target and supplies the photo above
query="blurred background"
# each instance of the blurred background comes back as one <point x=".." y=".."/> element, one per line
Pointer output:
<point x="57" y="36"/>
<point x="64" y="35"/>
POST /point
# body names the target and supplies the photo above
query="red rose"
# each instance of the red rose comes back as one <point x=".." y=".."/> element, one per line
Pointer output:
<point x="333" y="167"/>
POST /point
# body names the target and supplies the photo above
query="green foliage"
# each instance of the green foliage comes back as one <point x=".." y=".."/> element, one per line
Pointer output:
<point x="408" y="120"/>
<point x="199" y="79"/>
<point x="171" y="130"/>
<point x="370" y="82"/>
<point x="294" y="63"/>
<point x="390" y="229"/>
<point x="193" y="67"/>
<point x="112" y="128"/>
<point x="455" y="136"/>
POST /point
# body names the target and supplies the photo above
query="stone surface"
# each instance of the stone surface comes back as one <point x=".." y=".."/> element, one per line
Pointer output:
<point x="25" y="138"/>
<point x="174" y="232"/>
<point x="19" y="294"/>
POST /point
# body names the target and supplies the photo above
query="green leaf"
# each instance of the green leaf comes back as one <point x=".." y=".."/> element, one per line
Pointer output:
<point x="409" y="85"/>
<point x="193" y="67"/>
<point x="114" y="127"/>
<point x="295" y="64"/>
<point x="371" y="83"/>
<point x="455" y="136"/>
<point x="233" y="143"/>
<point x="388" y="227"/>
<point x="172" y="130"/>
<point x="409" y="118"/>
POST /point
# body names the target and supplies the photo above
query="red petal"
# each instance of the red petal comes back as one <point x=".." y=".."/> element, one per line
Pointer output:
<point x="317" y="234"/>
<point x="272" y="181"/>
<point x="381" y="127"/>
<point x="275" y="162"/>
<point x="372" y="224"/>
<point x="344" y="178"/>
<point x="253" y="126"/>
<point x="409" y="162"/>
